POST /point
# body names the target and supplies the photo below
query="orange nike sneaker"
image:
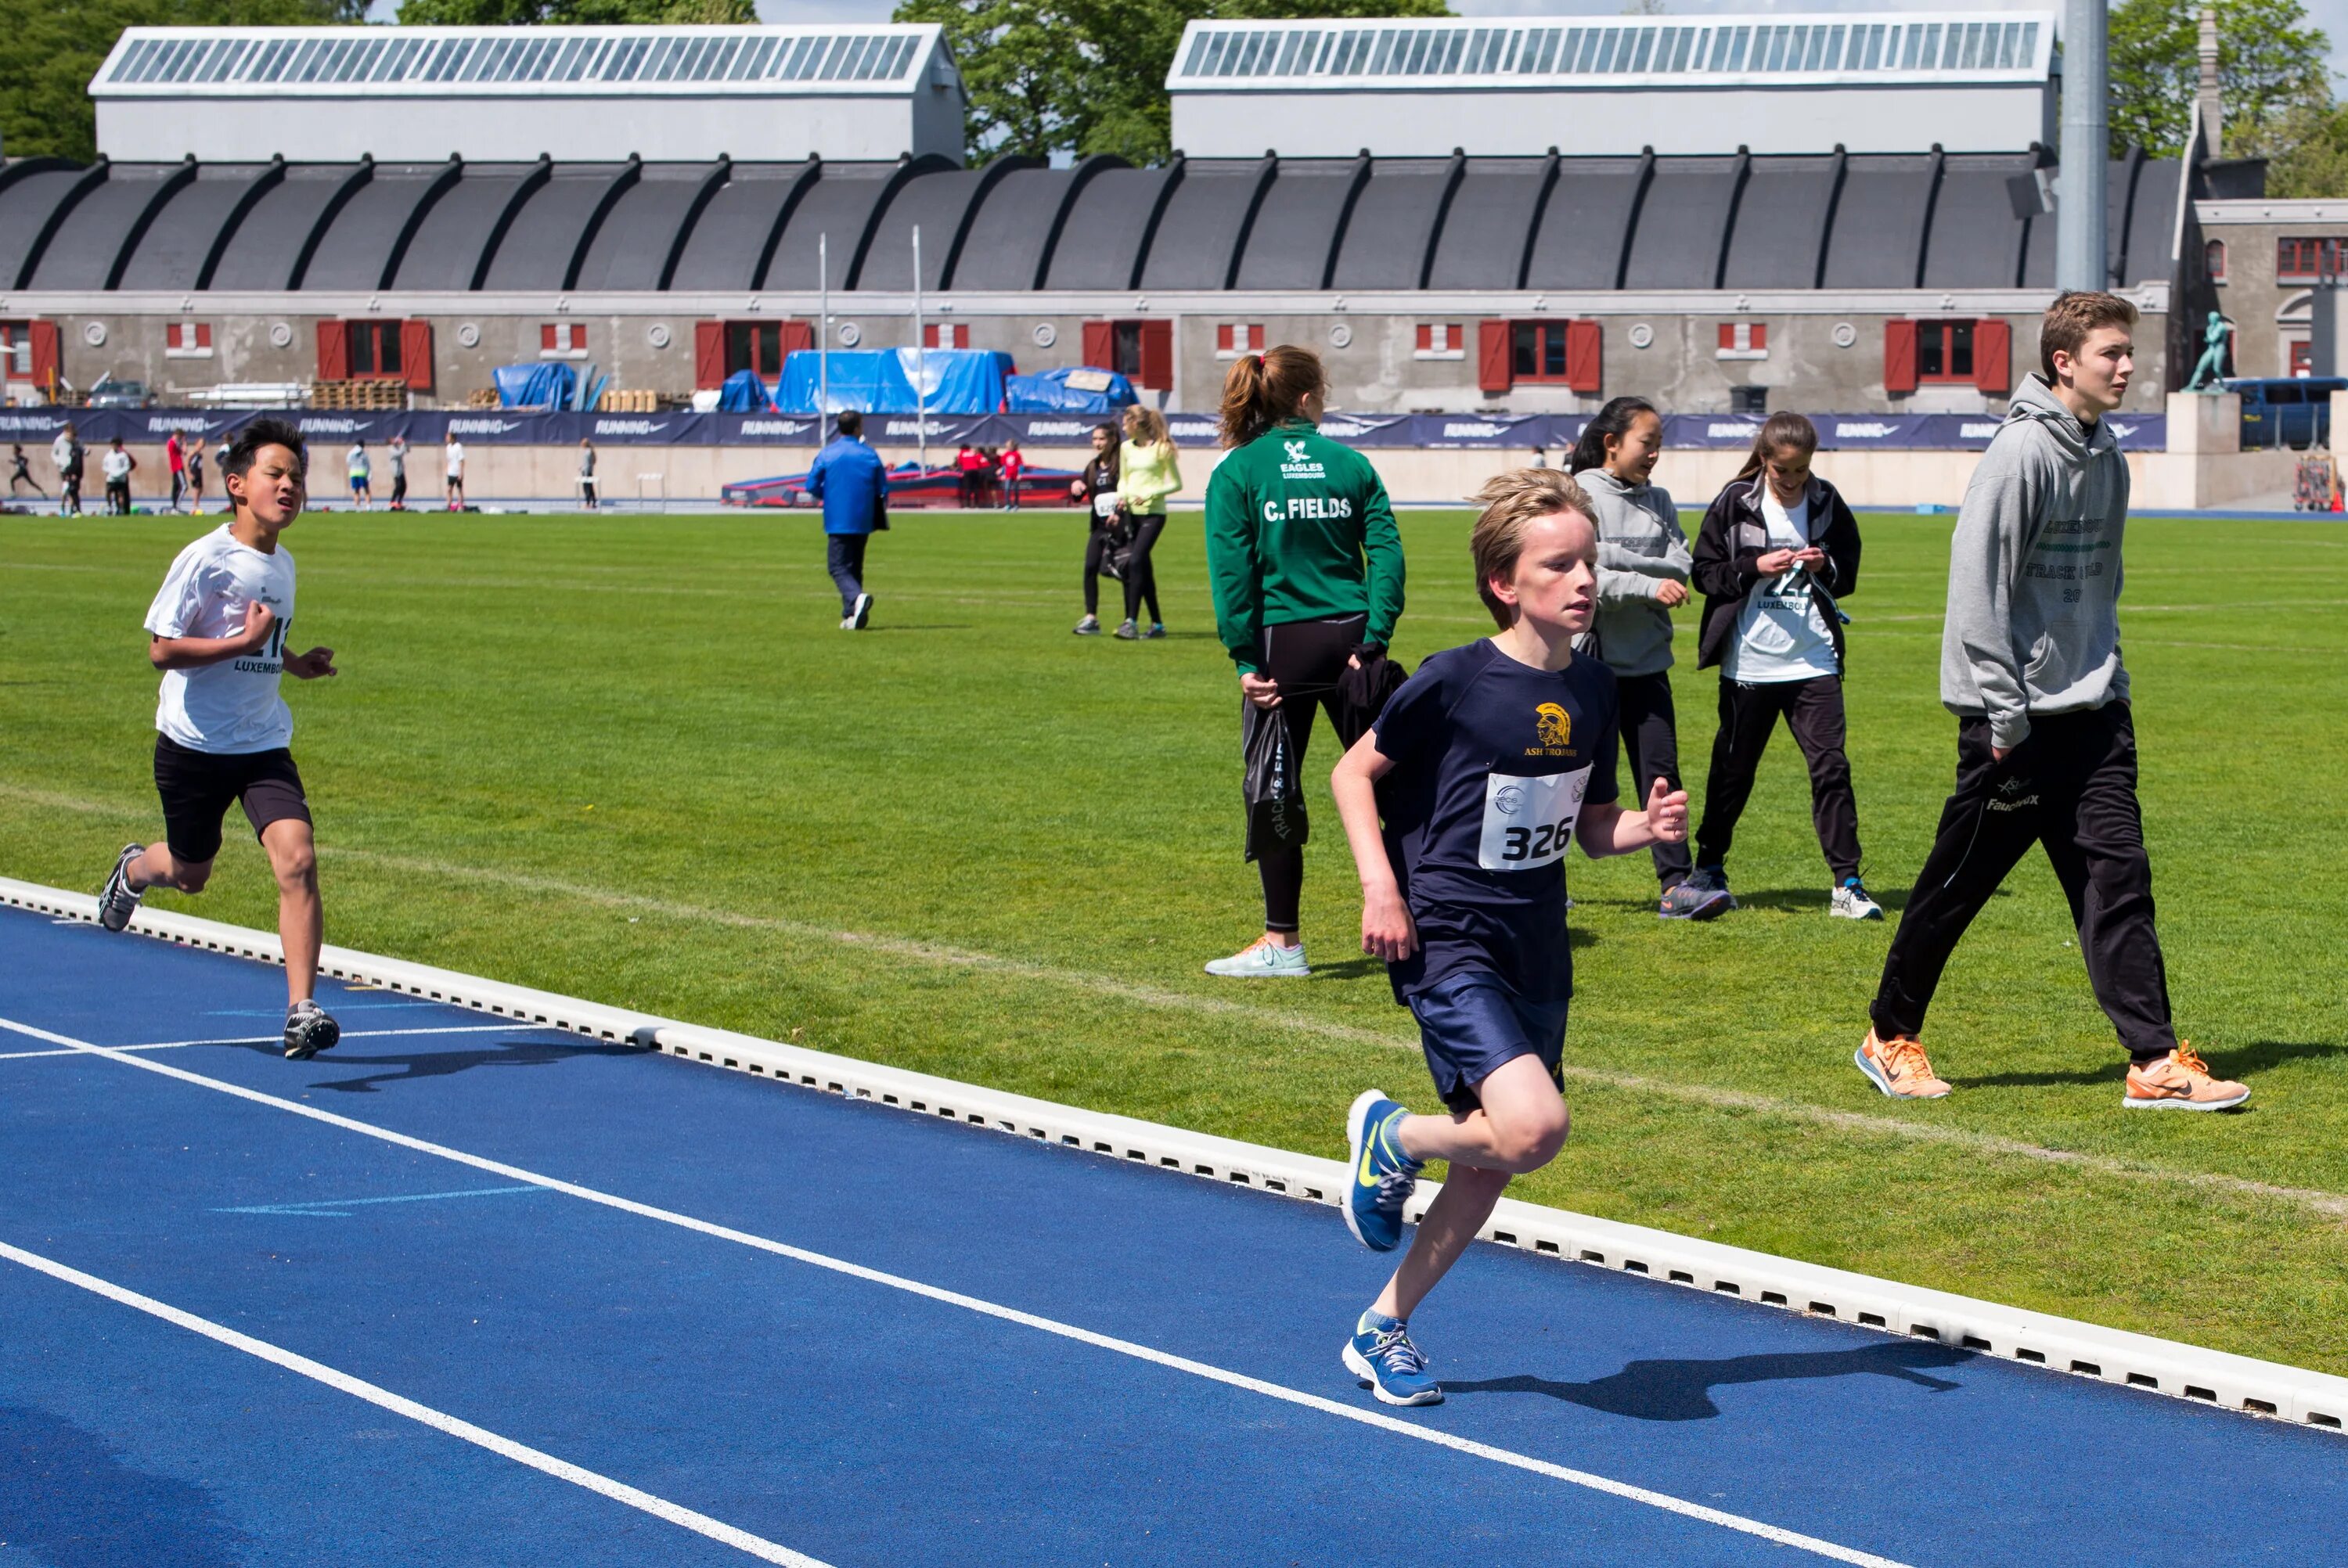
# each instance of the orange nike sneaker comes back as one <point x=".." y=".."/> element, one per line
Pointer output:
<point x="1897" y="1066"/>
<point x="2181" y="1080"/>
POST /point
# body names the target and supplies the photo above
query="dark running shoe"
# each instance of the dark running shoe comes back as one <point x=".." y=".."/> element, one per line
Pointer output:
<point x="308" y="1032"/>
<point x="117" y="900"/>
<point x="1702" y="897"/>
<point x="1157" y="630"/>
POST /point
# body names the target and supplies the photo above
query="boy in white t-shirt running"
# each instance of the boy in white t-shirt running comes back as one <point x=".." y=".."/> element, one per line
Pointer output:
<point x="218" y="630"/>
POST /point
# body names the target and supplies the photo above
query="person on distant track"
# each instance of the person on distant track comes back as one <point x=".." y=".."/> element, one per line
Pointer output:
<point x="587" y="496"/>
<point x="196" y="476"/>
<point x="1776" y="555"/>
<point x="216" y="631"/>
<point x="362" y="474"/>
<point x="175" y="459"/>
<point x="1643" y="574"/>
<point x="850" y="482"/>
<point x="396" y="456"/>
<point x="1094" y="489"/>
<point x="1307" y="572"/>
<point x="1147" y="474"/>
<point x="66" y="453"/>
<point x="1015" y="463"/>
<point x="118" y="466"/>
<point x="20" y="472"/>
<point x="2047" y="754"/>
<point x="452" y="460"/>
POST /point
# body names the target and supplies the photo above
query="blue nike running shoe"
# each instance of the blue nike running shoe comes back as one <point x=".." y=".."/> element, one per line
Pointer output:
<point x="1380" y="1353"/>
<point x="1383" y="1176"/>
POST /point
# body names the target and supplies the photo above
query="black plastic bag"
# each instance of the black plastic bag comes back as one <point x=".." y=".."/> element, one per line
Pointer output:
<point x="1273" y="794"/>
<point x="1364" y="686"/>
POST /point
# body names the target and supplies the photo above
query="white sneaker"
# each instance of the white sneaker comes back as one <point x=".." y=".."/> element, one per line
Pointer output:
<point x="1264" y="960"/>
<point x="1851" y="902"/>
<point x="848" y="623"/>
<point x="861" y="616"/>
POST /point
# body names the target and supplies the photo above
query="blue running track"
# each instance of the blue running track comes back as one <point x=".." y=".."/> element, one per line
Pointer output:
<point x="757" y="1321"/>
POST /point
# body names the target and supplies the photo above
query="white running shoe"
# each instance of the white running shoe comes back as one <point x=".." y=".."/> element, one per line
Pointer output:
<point x="863" y="614"/>
<point x="1264" y="960"/>
<point x="1851" y="902"/>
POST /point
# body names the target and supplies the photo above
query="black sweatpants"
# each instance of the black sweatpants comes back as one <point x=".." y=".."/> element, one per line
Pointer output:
<point x="1141" y="577"/>
<point x="1098" y="544"/>
<point x="1749" y="716"/>
<point x="1650" y="745"/>
<point x="2070" y="786"/>
<point x="1306" y="658"/>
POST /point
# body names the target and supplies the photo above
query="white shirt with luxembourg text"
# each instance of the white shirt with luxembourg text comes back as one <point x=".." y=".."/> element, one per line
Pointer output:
<point x="232" y="706"/>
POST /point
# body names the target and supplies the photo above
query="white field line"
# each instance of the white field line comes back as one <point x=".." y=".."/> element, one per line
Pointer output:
<point x="2332" y="1205"/>
<point x="660" y="1508"/>
<point x="272" y="1039"/>
<point x="1139" y="1352"/>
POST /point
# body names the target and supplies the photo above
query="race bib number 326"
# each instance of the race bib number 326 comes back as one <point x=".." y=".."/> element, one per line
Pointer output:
<point x="1528" y="821"/>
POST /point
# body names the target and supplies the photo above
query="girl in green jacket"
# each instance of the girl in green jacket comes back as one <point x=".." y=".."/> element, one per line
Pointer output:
<point x="1306" y="567"/>
<point x="1147" y="475"/>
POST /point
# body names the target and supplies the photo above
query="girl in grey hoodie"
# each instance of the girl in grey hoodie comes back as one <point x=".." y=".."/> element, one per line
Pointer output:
<point x="1643" y="573"/>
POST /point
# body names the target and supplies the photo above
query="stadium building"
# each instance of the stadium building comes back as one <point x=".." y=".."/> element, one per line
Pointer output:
<point x="1731" y="214"/>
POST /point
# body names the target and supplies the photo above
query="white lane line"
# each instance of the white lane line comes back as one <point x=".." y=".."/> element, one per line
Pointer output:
<point x="273" y="1040"/>
<point x="1368" y="1417"/>
<point x="676" y="1513"/>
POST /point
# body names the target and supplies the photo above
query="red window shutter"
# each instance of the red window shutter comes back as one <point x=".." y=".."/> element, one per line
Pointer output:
<point x="1583" y="343"/>
<point x="1425" y="337"/>
<point x="797" y="336"/>
<point x="415" y="355"/>
<point x="1900" y="356"/>
<point x="334" y="351"/>
<point x="1760" y="335"/>
<point x="1255" y="337"/>
<point x="546" y="337"/>
<point x="1101" y="344"/>
<point x="1492" y="357"/>
<point x="1993" y="354"/>
<point x="45" y="352"/>
<point x="1223" y="338"/>
<point x="1157" y="355"/>
<point x="1728" y="334"/>
<point x="204" y="334"/>
<point x="708" y="355"/>
<point x="171" y="339"/>
<point x="930" y="336"/>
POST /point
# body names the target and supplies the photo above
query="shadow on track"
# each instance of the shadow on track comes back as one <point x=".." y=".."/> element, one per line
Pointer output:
<point x="1679" y="1390"/>
<point x="69" y="1500"/>
<point x="441" y="1063"/>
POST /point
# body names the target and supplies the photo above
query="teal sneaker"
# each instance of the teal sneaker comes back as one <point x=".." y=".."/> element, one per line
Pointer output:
<point x="1380" y="1354"/>
<point x="1383" y="1176"/>
<point x="1264" y="961"/>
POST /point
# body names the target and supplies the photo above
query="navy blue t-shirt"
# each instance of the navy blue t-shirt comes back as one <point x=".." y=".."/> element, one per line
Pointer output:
<point x="1493" y="761"/>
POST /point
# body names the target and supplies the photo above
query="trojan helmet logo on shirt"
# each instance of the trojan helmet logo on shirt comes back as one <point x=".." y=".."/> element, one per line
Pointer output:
<point x="1555" y="724"/>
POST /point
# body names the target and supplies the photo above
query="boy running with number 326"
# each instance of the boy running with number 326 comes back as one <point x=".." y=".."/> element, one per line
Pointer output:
<point x="1485" y="766"/>
<point x="218" y="632"/>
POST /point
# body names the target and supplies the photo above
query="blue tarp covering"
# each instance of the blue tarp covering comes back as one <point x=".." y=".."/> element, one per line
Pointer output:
<point x="1080" y="389"/>
<point x="880" y="381"/>
<point x="744" y="393"/>
<point x="540" y="386"/>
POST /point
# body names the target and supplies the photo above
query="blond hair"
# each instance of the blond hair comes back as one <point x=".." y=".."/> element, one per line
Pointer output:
<point x="2074" y="313"/>
<point x="1512" y="502"/>
<point x="1144" y="426"/>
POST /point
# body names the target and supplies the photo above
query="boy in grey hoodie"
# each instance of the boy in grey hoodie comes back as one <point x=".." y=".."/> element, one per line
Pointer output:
<point x="2029" y="663"/>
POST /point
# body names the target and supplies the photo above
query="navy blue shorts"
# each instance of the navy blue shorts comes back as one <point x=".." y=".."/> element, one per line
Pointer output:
<point x="1469" y="1025"/>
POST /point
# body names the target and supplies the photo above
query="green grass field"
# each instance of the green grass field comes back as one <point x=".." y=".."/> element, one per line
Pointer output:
<point x="631" y="759"/>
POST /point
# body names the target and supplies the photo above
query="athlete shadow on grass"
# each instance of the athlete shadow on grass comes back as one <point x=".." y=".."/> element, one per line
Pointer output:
<point x="2239" y="1060"/>
<point x="442" y="1063"/>
<point x="1679" y="1390"/>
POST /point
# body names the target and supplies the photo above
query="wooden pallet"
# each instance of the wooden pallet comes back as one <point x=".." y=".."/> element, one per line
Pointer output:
<point x="367" y="396"/>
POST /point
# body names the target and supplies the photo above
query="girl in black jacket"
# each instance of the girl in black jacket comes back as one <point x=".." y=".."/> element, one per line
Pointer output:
<point x="1777" y="549"/>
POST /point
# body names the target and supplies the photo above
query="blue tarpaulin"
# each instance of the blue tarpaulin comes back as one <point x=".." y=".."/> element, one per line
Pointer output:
<point x="744" y="393"/>
<point x="1080" y="389"/>
<point x="540" y="386"/>
<point x="880" y="381"/>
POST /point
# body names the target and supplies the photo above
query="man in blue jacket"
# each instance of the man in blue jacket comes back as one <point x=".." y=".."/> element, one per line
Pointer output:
<point x="850" y="481"/>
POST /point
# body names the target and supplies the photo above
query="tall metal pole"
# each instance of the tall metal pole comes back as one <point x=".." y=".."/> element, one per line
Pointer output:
<point x="921" y="361"/>
<point x="2080" y="260"/>
<point x="822" y="333"/>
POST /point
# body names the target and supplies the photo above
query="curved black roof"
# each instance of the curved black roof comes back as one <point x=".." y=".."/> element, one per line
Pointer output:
<point x="1922" y="220"/>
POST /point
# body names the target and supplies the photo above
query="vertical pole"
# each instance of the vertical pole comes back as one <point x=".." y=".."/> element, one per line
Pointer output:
<point x="822" y="335"/>
<point x="921" y="361"/>
<point x="2081" y="258"/>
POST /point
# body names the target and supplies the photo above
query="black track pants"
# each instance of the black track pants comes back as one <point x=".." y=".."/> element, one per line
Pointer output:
<point x="1749" y="716"/>
<point x="1650" y="745"/>
<point x="1305" y="657"/>
<point x="1097" y="548"/>
<point x="2071" y="786"/>
<point x="1141" y="577"/>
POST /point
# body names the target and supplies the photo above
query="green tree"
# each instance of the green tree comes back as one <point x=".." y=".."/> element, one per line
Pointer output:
<point x="54" y="48"/>
<point x="1089" y="76"/>
<point x="2270" y="67"/>
<point x="571" y="13"/>
<point x="2306" y="149"/>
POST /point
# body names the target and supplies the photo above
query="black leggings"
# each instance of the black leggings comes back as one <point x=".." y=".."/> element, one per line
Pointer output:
<point x="1141" y="577"/>
<point x="1305" y="657"/>
<point x="1651" y="745"/>
<point x="1097" y="549"/>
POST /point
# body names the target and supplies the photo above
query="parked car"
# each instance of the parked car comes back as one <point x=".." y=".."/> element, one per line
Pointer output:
<point x="112" y="393"/>
<point x="2286" y="411"/>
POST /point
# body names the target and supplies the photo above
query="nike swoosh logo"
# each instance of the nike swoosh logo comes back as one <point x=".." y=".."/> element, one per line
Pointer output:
<point x="1369" y="1143"/>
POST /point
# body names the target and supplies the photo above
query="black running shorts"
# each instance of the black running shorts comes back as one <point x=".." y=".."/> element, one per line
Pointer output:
<point x="197" y="787"/>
